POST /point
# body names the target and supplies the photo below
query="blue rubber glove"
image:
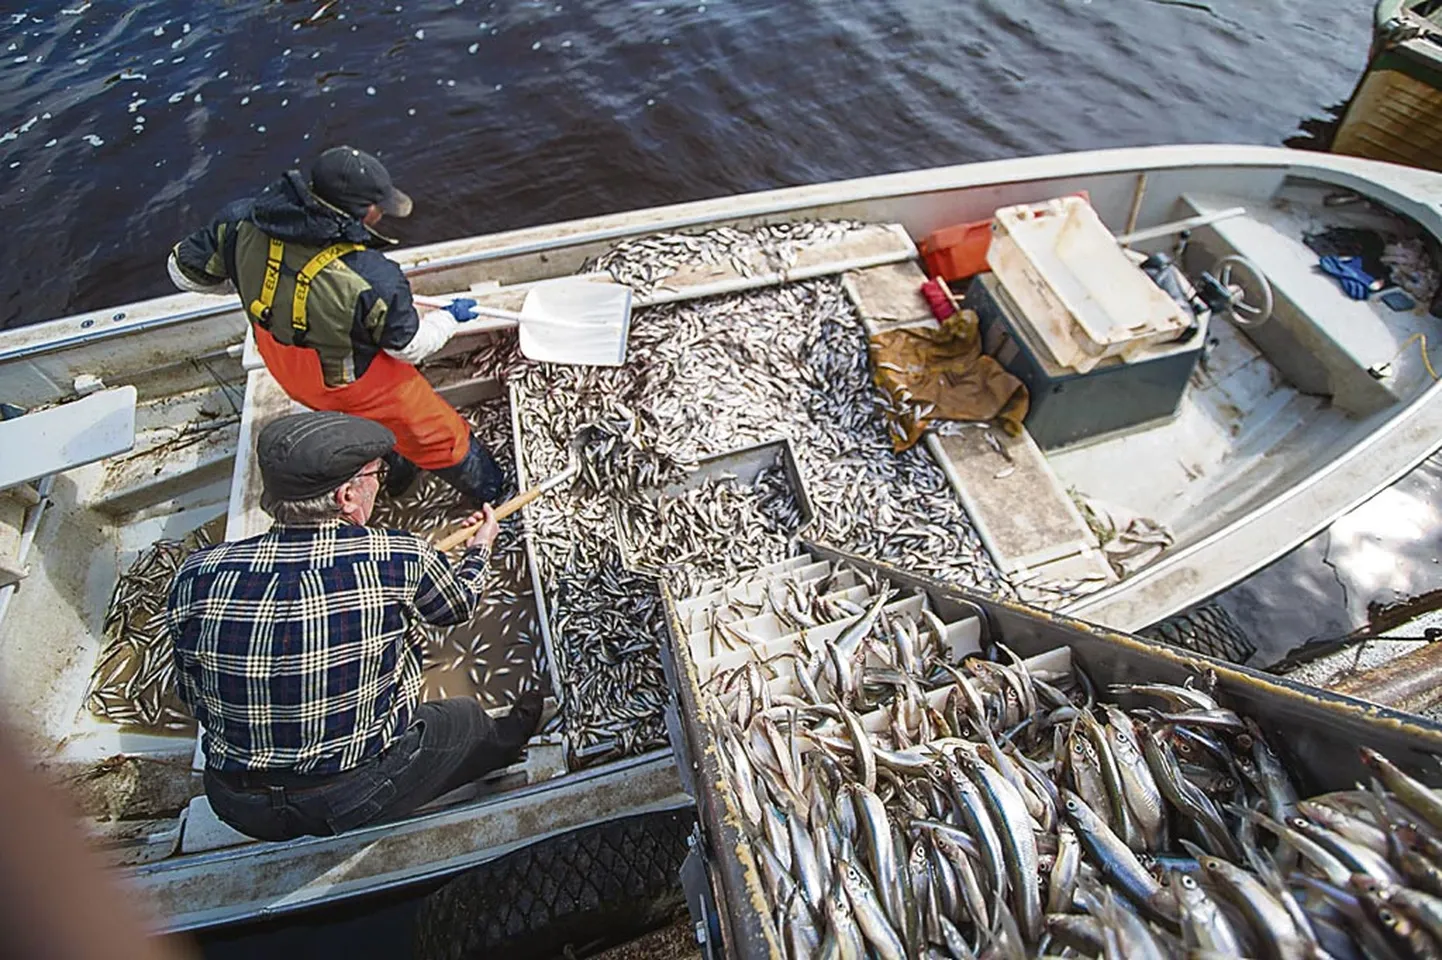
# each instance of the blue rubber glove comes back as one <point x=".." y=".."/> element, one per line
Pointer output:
<point x="463" y="309"/>
<point x="1356" y="282"/>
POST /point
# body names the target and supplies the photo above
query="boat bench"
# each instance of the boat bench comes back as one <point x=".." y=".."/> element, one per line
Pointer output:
<point x="545" y="759"/>
<point x="1021" y="511"/>
<point x="1323" y="342"/>
<point x="37" y="445"/>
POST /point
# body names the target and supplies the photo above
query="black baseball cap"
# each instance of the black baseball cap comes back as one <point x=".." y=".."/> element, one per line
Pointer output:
<point x="352" y="180"/>
<point x="304" y="455"/>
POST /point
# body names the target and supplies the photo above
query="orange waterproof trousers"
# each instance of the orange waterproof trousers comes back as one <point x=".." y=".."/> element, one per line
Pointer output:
<point x="429" y="432"/>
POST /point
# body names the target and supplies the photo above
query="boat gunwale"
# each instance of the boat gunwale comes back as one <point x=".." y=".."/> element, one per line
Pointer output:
<point x="442" y="256"/>
<point x="159" y="871"/>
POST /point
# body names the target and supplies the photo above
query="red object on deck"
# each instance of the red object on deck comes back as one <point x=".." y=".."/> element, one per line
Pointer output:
<point x="936" y="298"/>
<point x="957" y="252"/>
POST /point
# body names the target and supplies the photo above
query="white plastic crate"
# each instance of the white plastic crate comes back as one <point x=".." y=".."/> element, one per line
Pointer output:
<point x="1081" y="295"/>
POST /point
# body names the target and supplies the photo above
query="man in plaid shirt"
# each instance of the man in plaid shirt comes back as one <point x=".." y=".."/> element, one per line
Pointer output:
<point x="299" y="650"/>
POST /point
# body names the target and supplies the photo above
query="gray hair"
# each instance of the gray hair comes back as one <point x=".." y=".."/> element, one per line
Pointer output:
<point x="302" y="513"/>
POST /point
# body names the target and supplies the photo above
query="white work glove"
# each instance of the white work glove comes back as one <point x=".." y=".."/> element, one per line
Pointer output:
<point x="435" y="331"/>
<point x="177" y="276"/>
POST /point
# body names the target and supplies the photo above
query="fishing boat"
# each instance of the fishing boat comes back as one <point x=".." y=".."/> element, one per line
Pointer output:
<point x="134" y="424"/>
<point x="1394" y="112"/>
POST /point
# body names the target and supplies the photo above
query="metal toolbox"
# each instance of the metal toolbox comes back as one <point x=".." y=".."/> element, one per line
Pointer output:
<point x="1321" y="732"/>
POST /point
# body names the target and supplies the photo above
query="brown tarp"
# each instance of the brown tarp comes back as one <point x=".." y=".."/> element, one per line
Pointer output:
<point x="931" y="374"/>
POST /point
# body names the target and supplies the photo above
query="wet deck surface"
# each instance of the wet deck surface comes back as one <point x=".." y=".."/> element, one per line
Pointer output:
<point x="494" y="656"/>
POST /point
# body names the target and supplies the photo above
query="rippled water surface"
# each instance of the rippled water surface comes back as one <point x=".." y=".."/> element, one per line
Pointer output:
<point x="123" y="125"/>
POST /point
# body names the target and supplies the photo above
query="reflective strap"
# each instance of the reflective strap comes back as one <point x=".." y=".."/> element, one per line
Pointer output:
<point x="260" y="306"/>
<point x="308" y="273"/>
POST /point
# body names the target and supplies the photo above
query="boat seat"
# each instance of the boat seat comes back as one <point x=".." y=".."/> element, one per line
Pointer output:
<point x="544" y="759"/>
<point x="1026" y="520"/>
<point x="1022" y="512"/>
<point x="889" y="297"/>
<point x="1322" y="341"/>
<point x="47" y="442"/>
<point x="70" y="435"/>
<point x="202" y="830"/>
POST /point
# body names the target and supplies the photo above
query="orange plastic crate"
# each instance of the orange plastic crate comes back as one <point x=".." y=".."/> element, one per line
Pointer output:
<point x="957" y="252"/>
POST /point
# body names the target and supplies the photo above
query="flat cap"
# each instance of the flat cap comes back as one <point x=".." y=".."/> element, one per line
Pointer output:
<point x="304" y="455"/>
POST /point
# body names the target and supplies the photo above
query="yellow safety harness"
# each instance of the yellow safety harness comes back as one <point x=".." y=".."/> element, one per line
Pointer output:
<point x="260" y="307"/>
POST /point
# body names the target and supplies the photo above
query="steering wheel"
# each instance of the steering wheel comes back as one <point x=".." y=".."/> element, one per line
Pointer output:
<point x="1248" y="293"/>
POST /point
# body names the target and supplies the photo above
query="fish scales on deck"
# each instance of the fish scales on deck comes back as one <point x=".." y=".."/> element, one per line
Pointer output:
<point x="493" y="656"/>
<point x="133" y="681"/>
<point x="703" y="377"/>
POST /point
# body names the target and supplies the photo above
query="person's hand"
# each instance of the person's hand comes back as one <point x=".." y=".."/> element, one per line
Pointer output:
<point x="490" y="528"/>
<point x="462" y="308"/>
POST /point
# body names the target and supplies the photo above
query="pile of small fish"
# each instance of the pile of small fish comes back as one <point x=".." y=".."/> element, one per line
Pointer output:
<point x="494" y="656"/>
<point x="645" y="263"/>
<point x="898" y="805"/>
<point x="606" y="621"/>
<point x="704" y="377"/>
<point x="619" y="454"/>
<point x="133" y="683"/>
<point x="718" y="528"/>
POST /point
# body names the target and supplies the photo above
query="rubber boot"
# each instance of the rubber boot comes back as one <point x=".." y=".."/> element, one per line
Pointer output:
<point x="401" y="475"/>
<point x="525" y="718"/>
<point x="477" y="476"/>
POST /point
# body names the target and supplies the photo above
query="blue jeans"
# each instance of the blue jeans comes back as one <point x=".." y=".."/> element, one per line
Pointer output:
<point x="449" y="743"/>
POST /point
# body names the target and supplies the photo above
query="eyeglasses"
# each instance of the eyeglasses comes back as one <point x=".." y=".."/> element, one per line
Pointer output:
<point x="380" y="473"/>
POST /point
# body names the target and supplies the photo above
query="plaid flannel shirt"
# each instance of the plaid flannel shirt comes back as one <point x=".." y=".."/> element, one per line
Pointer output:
<point x="299" y="649"/>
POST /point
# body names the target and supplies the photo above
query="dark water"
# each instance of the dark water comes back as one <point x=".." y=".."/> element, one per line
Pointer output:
<point x="499" y="115"/>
